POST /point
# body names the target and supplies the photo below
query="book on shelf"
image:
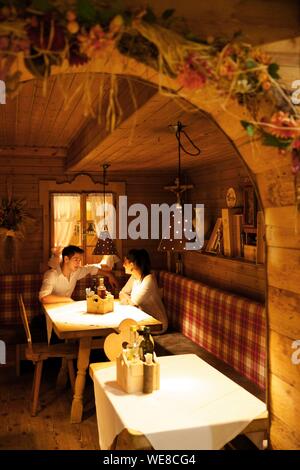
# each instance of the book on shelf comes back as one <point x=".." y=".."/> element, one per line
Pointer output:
<point x="237" y="234"/>
<point x="212" y="242"/>
<point x="229" y="239"/>
<point x="260" y="252"/>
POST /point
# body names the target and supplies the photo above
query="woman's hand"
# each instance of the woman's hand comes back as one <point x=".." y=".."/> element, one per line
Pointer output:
<point x="125" y="299"/>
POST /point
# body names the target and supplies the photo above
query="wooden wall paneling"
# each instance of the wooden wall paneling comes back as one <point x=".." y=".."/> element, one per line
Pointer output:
<point x="283" y="263"/>
<point x="281" y="363"/>
<point x="283" y="403"/>
<point x="284" y="312"/>
<point x="242" y="278"/>
<point x="283" y="226"/>
<point x="283" y="436"/>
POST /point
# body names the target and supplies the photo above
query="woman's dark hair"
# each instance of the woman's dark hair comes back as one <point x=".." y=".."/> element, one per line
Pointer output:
<point x="141" y="259"/>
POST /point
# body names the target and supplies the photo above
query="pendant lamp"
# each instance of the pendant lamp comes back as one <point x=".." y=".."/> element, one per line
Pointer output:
<point x="105" y="245"/>
<point x="170" y="243"/>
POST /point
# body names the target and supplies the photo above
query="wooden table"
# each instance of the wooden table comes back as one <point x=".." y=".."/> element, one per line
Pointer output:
<point x="70" y="321"/>
<point x="197" y="407"/>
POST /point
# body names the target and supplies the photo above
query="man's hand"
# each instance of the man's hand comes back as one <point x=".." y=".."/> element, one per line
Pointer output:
<point x="112" y="280"/>
<point x="56" y="250"/>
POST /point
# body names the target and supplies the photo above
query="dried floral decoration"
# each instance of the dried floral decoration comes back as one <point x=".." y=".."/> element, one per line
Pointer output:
<point x="14" y="219"/>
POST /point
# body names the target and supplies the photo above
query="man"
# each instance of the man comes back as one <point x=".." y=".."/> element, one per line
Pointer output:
<point x="59" y="283"/>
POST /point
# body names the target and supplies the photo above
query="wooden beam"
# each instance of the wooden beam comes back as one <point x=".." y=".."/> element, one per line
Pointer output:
<point x="85" y="147"/>
<point x="29" y="151"/>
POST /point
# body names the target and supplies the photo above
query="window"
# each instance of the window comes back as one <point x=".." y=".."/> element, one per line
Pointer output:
<point x="78" y="185"/>
<point x="78" y="219"/>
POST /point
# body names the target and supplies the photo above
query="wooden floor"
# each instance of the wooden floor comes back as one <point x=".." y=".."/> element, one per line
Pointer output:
<point x="51" y="428"/>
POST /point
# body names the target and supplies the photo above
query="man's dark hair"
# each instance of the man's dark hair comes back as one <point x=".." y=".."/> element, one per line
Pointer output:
<point x="71" y="250"/>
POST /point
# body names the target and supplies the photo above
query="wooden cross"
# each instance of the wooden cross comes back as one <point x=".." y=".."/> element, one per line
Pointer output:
<point x="178" y="189"/>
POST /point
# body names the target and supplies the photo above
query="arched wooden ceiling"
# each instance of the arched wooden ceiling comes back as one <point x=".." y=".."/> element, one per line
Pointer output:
<point x="41" y="121"/>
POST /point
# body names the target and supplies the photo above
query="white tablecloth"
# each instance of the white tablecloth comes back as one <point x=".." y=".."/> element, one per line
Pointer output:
<point x="197" y="407"/>
<point x="74" y="313"/>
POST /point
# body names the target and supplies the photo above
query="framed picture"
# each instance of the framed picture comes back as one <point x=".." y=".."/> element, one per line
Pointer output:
<point x="213" y="245"/>
<point x="250" y="207"/>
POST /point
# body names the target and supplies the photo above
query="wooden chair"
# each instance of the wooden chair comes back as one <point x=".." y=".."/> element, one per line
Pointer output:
<point x="113" y="345"/>
<point x="38" y="352"/>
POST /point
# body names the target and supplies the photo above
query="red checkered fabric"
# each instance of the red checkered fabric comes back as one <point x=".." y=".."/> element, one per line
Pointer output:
<point x="12" y="284"/>
<point x="29" y="286"/>
<point x="229" y="326"/>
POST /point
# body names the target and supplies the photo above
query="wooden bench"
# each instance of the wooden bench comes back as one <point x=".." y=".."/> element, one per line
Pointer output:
<point x="11" y="328"/>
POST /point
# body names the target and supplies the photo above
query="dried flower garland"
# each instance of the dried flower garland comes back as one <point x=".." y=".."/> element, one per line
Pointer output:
<point x="50" y="32"/>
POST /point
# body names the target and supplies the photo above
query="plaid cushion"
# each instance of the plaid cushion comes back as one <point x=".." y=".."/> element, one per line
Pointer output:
<point x="229" y="326"/>
<point x="13" y="284"/>
<point x="29" y="286"/>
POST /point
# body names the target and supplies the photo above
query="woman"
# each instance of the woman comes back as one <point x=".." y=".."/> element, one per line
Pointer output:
<point x="141" y="289"/>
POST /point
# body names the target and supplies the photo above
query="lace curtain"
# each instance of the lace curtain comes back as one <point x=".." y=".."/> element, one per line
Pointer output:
<point x="66" y="212"/>
<point x="97" y="211"/>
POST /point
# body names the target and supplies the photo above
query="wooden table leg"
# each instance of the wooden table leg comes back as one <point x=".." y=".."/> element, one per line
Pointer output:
<point x="82" y="365"/>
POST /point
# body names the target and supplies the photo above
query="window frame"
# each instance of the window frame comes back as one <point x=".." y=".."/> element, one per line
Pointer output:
<point x="79" y="184"/>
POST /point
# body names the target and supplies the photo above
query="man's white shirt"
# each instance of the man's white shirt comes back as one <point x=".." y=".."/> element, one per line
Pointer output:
<point x="56" y="283"/>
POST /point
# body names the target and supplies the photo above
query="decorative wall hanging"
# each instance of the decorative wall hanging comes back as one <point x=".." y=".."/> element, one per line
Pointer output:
<point x="14" y="223"/>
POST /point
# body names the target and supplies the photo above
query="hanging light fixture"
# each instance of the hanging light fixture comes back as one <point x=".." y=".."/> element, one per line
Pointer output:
<point x="170" y="243"/>
<point x="105" y="244"/>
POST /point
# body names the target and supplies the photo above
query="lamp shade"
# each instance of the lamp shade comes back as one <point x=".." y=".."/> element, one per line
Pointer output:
<point x="175" y="239"/>
<point x="105" y="244"/>
<point x="169" y="241"/>
<point x="171" y="244"/>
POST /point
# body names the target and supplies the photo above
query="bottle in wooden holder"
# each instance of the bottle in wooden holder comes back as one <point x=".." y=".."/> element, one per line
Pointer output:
<point x="94" y="304"/>
<point x="149" y="370"/>
<point x="130" y="375"/>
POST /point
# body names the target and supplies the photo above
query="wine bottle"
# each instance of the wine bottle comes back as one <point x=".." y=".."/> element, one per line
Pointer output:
<point x="133" y="346"/>
<point x="101" y="290"/>
<point x="146" y="345"/>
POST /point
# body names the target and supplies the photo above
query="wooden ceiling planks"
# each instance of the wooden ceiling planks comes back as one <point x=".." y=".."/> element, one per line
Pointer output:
<point x="151" y="137"/>
<point x="57" y="120"/>
<point x="85" y="147"/>
<point x="75" y="117"/>
<point x="42" y="124"/>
